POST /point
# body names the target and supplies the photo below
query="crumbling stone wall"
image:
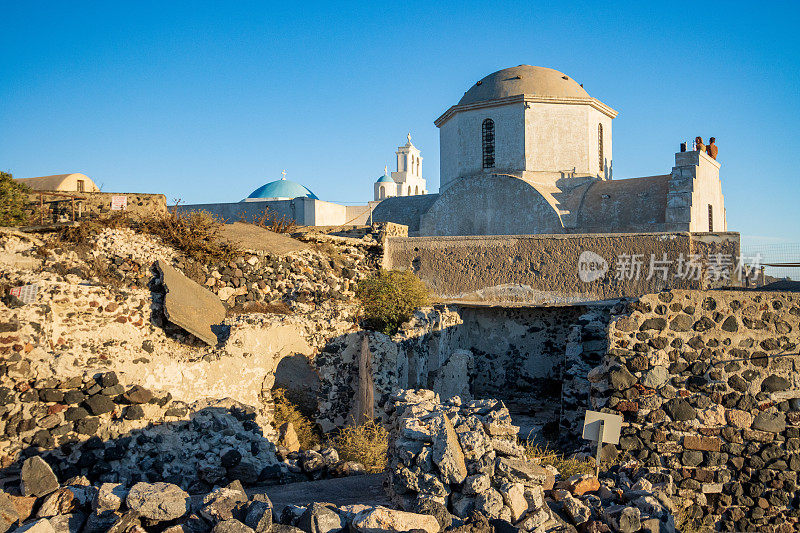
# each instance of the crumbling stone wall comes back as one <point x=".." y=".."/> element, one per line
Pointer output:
<point x="520" y="355"/>
<point x="81" y="327"/>
<point x="707" y="382"/>
<point x="464" y="456"/>
<point x="93" y="205"/>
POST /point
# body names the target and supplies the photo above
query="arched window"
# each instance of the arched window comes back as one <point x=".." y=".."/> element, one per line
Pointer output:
<point x="416" y="189"/>
<point x="383" y="192"/>
<point x="418" y="166"/>
<point x="602" y="165"/>
<point x="487" y="137"/>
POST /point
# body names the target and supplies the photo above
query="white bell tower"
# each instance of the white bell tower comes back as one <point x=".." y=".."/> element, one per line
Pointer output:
<point x="409" y="171"/>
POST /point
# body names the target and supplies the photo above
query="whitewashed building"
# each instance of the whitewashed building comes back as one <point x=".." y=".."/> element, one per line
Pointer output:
<point x="407" y="180"/>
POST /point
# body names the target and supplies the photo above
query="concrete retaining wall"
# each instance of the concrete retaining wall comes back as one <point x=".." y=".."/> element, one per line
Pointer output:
<point x="560" y="269"/>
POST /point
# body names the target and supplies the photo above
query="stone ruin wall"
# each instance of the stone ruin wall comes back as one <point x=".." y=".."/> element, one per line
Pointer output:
<point x="689" y="371"/>
<point x="707" y="383"/>
<point x="472" y="352"/>
<point x="93" y="205"/>
<point x="69" y="361"/>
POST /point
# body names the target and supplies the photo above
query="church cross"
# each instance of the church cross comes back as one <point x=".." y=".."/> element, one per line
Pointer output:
<point x="283" y="174"/>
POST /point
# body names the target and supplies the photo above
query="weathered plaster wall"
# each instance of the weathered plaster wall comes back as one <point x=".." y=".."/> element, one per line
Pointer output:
<point x="405" y="210"/>
<point x="707" y="382"/>
<point x="491" y="205"/>
<point x="693" y="186"/>
<point x="562" y="137"/>
<point x="544" y="269"/>
<point x="462" y="148"/>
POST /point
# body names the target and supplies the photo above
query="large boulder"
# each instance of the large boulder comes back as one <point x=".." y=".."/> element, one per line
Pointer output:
<point x="9" y="515"/>
<point x="321" y="518"/>
<point x="40" y="526"/>
<point x="447" y="453"/>
<point x="109" y="497"/>
<point x="37" y="478"/>
<point x="259" y="516"/>
<point x="224" y="503"/>
<point x="383" y="520"/>
<point x="62" y="501"/>
<point x="159" y="502"/>
<point x="231" y="525"/>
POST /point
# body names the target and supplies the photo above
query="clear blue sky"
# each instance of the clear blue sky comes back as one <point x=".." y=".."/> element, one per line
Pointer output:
<point x="205" y="101"/>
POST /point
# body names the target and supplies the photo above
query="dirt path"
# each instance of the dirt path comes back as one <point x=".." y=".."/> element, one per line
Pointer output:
<point x="366" y="489"/>
<point x="251" y="237"/>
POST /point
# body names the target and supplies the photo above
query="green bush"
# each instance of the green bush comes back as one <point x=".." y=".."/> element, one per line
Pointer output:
<point x="13" y="196"/>
<point x="389" y="297"/>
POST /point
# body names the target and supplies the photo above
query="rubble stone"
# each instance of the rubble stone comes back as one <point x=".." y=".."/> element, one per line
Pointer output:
<point x="158" y="501"/>
<point x="37" y="478"/>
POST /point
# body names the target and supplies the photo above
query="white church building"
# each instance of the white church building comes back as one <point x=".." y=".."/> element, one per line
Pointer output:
<point x="527" y="150"/>
<point x="407" y="180"/>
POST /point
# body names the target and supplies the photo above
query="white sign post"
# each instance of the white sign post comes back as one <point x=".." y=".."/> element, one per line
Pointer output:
<point x="119" y="203"/>
<point x="27" y="293"/>
<point x="602" y="428"/>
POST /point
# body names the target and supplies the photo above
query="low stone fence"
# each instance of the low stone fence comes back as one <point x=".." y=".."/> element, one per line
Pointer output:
<point x="565" y="269"/>
<point x="707" y="382"/>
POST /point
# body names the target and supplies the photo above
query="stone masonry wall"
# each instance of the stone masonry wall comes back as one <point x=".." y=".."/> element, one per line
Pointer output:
<point x="707" y="382"/>
<point x="93" y="205"/>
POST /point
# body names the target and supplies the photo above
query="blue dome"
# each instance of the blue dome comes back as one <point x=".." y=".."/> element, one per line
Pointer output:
<point x="385" y="179"/>
<point x="282" y="189"/>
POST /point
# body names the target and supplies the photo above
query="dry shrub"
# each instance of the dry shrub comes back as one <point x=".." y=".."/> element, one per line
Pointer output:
<point x="288" y="411"/>
<point x="389" y="297"/>
<point x="195" y="234"/>
<point x="566" y="467"/>
<point x="331" y="250"/>
<point x="366" y="444"/>
<point x="85" y="232"/>
<point x="269" y="220"/>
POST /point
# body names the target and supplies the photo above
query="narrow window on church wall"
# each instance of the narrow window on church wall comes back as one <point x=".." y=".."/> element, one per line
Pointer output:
<point x="487" y="138"/>
<point x="383" y="192"/>
<point x="601" y="157"/>
<point x="710" y="218"/>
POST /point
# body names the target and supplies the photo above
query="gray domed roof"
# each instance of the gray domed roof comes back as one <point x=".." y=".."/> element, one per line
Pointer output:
<point x="524" y="79"/>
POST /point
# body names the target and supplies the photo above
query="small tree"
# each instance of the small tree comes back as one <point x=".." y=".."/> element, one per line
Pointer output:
<point x="13" y="197"/>
<point x="389" y="297"/>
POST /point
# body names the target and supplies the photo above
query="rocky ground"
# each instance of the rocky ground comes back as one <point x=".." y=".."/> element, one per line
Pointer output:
<point x="112" y="419"/>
